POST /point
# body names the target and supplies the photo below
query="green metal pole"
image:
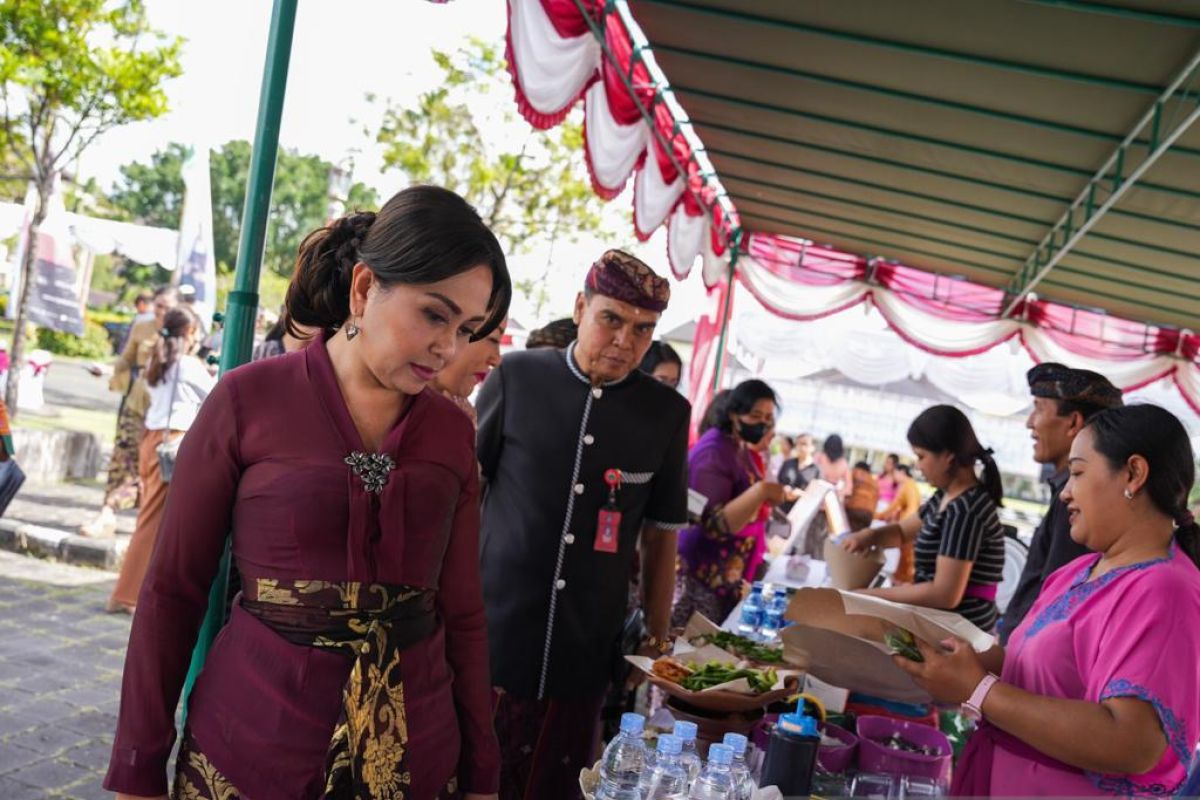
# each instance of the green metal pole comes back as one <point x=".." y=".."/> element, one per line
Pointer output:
<point x="242" y="306"/>
<point x="734" y="246"/>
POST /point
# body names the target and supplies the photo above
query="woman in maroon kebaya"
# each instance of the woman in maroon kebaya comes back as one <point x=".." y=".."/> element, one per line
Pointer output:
<point x="355" y="661"/>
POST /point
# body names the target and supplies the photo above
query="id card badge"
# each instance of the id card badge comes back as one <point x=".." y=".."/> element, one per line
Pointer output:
<point x="608" y="522"/>
<point x="608" y="530"/>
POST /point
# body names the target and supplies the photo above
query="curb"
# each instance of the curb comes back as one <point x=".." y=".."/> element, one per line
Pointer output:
<point x="69" y="548"/>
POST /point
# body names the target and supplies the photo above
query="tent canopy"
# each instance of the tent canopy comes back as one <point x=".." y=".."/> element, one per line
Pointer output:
<point x="955" y="137"/>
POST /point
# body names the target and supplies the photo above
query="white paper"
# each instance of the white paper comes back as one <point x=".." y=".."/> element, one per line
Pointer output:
<point x="832" y="697"/>
<point x="803" y="512"/>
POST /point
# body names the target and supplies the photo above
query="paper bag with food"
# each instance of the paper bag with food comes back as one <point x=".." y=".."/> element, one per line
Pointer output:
<point x="701" y="631"/>
<point x="720" y="671"/>
<point x="848" y="640"/>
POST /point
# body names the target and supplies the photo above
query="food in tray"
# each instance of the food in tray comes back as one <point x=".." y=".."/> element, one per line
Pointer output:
<point x="715" y="673"/>
<point x="898" y="742"/>
<point x="671" y="669"/>
<point x="741" y="646"/>
<point x="903" y="643"/>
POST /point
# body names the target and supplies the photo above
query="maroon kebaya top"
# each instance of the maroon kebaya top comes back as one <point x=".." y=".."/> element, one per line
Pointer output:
<point x="265" y="459"/>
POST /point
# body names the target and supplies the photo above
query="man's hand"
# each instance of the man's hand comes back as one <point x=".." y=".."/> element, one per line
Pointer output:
<point x="636" y="676"/>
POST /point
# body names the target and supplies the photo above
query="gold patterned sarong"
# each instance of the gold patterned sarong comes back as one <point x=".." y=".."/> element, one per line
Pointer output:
<point x="371" y="623"/>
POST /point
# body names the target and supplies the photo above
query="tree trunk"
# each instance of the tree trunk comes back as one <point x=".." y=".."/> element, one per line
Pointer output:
<point x="16" y="355"/>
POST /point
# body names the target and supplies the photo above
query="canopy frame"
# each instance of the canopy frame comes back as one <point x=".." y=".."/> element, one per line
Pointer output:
<point x="1110" y="179"/>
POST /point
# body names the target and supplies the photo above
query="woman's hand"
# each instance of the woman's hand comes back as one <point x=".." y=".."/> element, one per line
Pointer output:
<point x="771" y="492"/>
<point x="859" y="541"/>
<point x="121" y="796"/>
<point x="949" y="677"/>
<point x="473" y="796"/>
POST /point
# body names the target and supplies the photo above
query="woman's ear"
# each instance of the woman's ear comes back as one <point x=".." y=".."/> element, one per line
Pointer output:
<point x="361" y="281"/>
<point x="1137" y="472"/>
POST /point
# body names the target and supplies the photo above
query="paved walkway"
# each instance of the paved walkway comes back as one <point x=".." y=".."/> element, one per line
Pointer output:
<point x="44" y="519"/>
<point x="60" y="675"/>
<point x="64" y="506"/>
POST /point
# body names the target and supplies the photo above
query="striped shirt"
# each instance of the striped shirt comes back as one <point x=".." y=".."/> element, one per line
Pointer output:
<point x="969" y="530"/>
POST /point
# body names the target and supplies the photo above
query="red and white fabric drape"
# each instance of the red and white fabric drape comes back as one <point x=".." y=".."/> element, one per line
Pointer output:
<point x="955" y="317"/>
<point x="556" y="61"/>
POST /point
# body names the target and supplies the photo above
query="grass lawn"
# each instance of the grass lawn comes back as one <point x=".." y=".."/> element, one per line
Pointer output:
<point x="101" y="423"/>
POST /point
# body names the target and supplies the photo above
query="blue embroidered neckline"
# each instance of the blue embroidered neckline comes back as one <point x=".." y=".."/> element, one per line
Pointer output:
<point x="1081" y="589"/>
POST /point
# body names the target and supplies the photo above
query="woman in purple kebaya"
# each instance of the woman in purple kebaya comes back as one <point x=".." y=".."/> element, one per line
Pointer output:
<point x="355" y="661"/>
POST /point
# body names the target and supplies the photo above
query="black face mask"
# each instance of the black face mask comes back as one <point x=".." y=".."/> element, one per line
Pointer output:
<point x="752" y="434"/>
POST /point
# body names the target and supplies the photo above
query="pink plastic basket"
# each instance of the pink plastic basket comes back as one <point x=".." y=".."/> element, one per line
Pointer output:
<point x="837" y="759"/>
<point x="874" y="757"/>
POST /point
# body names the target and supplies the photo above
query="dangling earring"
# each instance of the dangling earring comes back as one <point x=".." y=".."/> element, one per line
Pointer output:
<point x="352" y="329"/>
<point x="1128" y="495"/>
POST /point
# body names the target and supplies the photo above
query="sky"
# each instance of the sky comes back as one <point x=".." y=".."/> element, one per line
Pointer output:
<point x="342" y="51"/>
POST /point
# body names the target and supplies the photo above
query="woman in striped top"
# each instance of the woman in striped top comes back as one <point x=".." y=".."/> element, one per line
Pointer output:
<point x="959" y="541"/>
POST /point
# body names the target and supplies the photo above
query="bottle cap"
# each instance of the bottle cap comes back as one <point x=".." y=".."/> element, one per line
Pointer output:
<point x="669" y="745"/>
<point x="686" y="731"/>
<point x="737" y="742"/>
<point x="720" y="754"/>
<point x="799" y="724"/>
<point x="633" y="723"/>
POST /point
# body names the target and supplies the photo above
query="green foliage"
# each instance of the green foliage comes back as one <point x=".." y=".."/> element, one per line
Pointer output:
<point x="93" y="344"/>
<point x="531" y="195"/>
<point x="271" y="289"/>
<point x="70" y="71"/>
<point x="153" y="194"/>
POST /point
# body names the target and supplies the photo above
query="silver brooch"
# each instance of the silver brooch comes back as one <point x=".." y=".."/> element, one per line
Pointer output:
<point x="373" y="468"/>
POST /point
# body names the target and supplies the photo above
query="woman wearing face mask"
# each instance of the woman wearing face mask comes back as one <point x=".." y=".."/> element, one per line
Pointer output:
<point x="470" y="369"/>
<point x="1097" y="691"/>
<point x="355" y="661"/>
<point x="725" y="549"/>
<point x="959" y="544"/>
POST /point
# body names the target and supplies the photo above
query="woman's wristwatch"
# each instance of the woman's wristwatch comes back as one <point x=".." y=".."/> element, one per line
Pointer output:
<point x="973" y="707"/>
<point x="662" y="645"/>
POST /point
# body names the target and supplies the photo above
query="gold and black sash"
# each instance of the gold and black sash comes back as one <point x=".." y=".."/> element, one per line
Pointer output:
<point x="372" y="623"/>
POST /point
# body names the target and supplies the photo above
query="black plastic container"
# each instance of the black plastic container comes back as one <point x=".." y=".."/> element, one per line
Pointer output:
<point x="792" y="756"/>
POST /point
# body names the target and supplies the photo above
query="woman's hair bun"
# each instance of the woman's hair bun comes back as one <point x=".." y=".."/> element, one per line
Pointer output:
<point x="319" y="294"/>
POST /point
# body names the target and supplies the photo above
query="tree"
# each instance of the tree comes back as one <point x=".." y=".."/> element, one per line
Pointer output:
<point x="530" y="193"/>
<point x="70" y="71"/>
<point x="152" y="194"/>
<point x="299" y="203"/>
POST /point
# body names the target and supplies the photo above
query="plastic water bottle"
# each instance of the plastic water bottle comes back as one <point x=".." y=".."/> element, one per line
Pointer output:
<point x="669" y="779"/>
<point x="624" y="761"/>
<point x="715" y="782"/>
<point x="690" y="757"/>
<point x="773" y="621"/>
<point x="752" y="613"/>
<point x="743" y="782"/>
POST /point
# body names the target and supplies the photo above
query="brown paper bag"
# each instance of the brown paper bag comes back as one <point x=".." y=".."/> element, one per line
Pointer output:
<point x="841" y="636"/>
<point x="851" y="570"/>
